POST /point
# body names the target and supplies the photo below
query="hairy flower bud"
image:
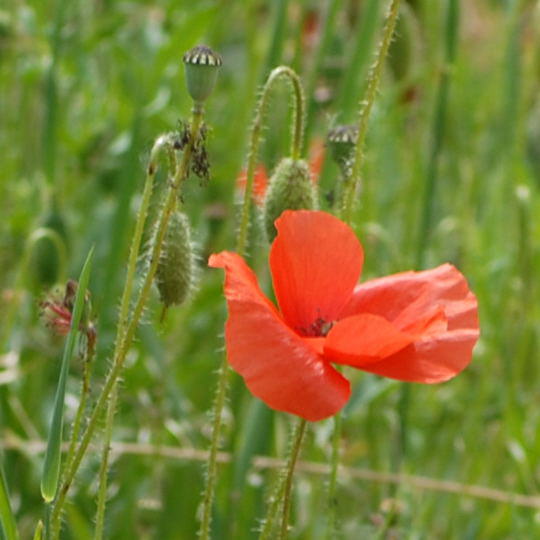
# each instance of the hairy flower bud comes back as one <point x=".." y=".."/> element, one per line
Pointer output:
<point x="290" y="188"/>
<point x="175" y="270"/>
<point x="202" y="65"/>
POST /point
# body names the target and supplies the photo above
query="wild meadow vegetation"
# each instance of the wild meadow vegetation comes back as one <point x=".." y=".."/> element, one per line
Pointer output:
<point x="98" y="131"/>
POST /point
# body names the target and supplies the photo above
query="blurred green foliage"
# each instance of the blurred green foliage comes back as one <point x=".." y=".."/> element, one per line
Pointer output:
<point x="85" y="88"/>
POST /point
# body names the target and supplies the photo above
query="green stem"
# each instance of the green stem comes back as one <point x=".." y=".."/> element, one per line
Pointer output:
<point x="123" y="344"/>
<point x="332" y="483"/>
<point x="85" y="393"/>
<point x="241" y="246"/>
<point x="288" y="480"/>
<point x="255" y="138"/>
<point x="365" y="109"/>
<point x="104" y="467"/>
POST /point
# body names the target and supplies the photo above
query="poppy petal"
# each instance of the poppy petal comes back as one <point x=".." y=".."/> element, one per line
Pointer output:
<point x="438" y="305"/>
<point x="316" y="261"/>
<point x="432" y="359"/>
<point x="276" y="364"/>
<point x="364" y="339"/>
<point x="409" y="297"/>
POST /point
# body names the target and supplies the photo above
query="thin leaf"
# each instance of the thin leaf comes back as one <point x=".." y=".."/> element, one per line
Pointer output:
<point x="7" y="519"/>
<point x="51" y="470"/>
<point x="38" y="533"/>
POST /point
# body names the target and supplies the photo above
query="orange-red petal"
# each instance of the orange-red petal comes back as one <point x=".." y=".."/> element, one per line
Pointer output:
<point x="316" y="261"/>
<point x="408" y="297"/>
<point x="363" y="339"/>
<point x="276" y="364"/>
<point x="432" y="359"/>
<point x="438" y="307"/>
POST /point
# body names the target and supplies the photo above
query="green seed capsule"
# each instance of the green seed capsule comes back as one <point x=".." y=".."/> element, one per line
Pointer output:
<point x="174" y="276"/>
<point x="290" y="188"/>
<point x="202" y="67"/>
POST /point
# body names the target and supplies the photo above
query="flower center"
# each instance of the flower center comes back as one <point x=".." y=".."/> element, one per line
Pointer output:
<point x="318" y="328"/>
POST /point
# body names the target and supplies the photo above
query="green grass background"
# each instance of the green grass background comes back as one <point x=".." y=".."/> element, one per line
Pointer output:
<point x="85" y="88"/>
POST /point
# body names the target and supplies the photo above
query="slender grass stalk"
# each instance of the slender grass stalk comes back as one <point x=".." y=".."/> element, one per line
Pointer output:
<point x="365" y="109"/>
<point x="7" y="518"/>
<point x="241" y="247"/>
<point x="278" y="492"/>
<point x="438" y="129"/>
<point x="329" y="17"/>
<point x="38" y="533"/>
<point x="51" y="468"/>
<point x="356" y="68"/>
<point x="332" y="527"/>
<point x="104" y="466"/>
<point x="122" y="345"/>
<point x="85" y="393"/>
<point x="299" y="437"/>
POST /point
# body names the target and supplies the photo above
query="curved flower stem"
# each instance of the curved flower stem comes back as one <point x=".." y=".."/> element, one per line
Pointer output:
<point x="255" y="138"/>
<point x="299" y="437"/>
<point x="241" y="246"/>
<point x="332" y="483"/>
<point x="126" y="336"/>
<point x="365" y="109"/>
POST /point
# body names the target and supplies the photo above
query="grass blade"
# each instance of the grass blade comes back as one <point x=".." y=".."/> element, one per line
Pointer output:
<point x="51" y="470"/>
<point x="7" y="519"/>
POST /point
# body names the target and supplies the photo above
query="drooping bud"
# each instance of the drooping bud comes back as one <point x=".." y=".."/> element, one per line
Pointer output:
<point x="290" y="188"/>
<point x="341" y="141"/>
<point x="175" y="271"/>
<point x="202" y="66"/>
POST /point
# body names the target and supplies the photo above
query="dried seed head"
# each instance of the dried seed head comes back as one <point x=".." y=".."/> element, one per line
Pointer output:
<point x="341" y="141"/>
<point x="175" y="272"/>
<point x="290" y="188"/>
<point x="202" y="66"/>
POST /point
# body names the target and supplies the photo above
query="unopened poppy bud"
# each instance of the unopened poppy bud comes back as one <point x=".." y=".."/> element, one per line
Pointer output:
<point x="202" y="66"/>
<point x="290" y="188"/>
<point x="175" y="270"/>
<point x="341" y="141"/>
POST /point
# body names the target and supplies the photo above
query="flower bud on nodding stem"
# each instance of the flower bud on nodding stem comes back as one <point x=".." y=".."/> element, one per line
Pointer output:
<point x="202" y="66"/>
<point x="290" y="188"/>
<point x="174" y="276"/>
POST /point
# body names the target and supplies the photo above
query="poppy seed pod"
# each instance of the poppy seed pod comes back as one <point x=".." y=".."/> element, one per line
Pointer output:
<point x="290" y="188"/>
<point x="202" y="66"/>
<point x="174" y="276"/>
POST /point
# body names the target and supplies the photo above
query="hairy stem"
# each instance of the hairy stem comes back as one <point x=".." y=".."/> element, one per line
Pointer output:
<point x="241" y="246"/>
<point x="104" y="466"/>
<point x="297" y="444"/>
<point x="332" y="482"/>
<point x="125" y="336"/>
<point x="365" y="109"/>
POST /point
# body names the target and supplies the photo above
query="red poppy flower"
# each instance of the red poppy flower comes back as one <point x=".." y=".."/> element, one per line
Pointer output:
<point x="260" y="183"/>
<point x="413" y="326"/>
<point x="317" y="151"/>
